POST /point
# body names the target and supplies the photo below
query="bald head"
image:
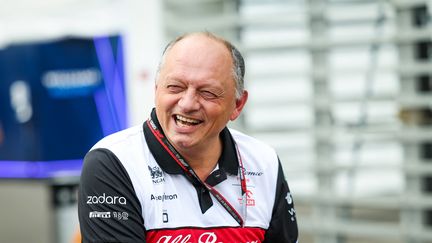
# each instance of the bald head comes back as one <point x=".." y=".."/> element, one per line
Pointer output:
<point x="237" y="61"/>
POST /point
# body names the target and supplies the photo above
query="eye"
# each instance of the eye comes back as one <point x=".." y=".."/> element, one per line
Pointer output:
<point x="174" y="88"/>
<point x="208" y="94"/>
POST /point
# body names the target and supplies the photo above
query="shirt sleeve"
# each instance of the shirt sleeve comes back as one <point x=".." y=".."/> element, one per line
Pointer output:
<point x="283" y="224"/>
<point x="108" y="208"/>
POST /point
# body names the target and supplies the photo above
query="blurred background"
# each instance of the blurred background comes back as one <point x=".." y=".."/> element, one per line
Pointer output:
<point x="341" y="88"/>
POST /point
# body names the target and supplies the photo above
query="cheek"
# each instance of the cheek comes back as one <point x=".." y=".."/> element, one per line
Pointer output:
<point x="165" y="100"/>
<point x="219" y="113"/>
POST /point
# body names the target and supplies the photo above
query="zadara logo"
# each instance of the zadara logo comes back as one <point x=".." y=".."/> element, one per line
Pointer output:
<point x="106" y="199"/>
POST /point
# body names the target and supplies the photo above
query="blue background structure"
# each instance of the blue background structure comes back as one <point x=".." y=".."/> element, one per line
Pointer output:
<point x="77" y="96"/>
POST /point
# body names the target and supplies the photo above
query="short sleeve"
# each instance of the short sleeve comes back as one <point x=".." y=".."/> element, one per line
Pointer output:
<point x="108" y="208"/>
<point x="283" y="225"/>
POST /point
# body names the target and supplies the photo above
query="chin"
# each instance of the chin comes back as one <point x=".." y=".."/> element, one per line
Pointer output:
<point x="181" y="143"/>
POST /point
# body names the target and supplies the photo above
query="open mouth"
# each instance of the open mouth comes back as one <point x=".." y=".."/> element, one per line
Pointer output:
<point x="185" y="121"/>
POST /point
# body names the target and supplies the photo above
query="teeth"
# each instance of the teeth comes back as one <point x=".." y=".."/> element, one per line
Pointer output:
<point x="188" y="120"/>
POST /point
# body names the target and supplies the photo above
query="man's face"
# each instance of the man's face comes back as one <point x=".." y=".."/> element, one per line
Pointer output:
<point x="195" y="93"/>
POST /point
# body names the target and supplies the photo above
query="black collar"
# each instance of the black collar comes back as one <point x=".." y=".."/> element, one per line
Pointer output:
<point x="228" y="160"/>
<point x="228" y="163"/>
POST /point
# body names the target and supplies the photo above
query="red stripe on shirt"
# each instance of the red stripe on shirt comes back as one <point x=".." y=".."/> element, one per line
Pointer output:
<point x="206" y="235"/>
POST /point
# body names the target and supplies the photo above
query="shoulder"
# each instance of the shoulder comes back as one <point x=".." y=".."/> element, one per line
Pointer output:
<point x="124" y="147"/>
<point x="255" y="152"/>
<point x="122" y="139"/>
<point x="250" y="142"/>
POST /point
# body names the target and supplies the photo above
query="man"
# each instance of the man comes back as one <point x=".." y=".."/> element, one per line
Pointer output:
<point x="183" y="176"/>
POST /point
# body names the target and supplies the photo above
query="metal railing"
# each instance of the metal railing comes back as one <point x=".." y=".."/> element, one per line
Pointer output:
<point x="332" y="88"/>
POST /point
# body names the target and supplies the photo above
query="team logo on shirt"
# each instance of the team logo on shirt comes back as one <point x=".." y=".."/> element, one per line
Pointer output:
<point x="156" y="174"/>
<point x="163" y="197"/>
<point x="250" y="201"/>
<point x="106" y="199"/>
<point x="291" y="211"/>
<point x="165" y="216"/>
<point x="289" y="198"/>
<point x="204" y="237"/>
<point x="96" y="214"/>
<point x="252" y="173"/>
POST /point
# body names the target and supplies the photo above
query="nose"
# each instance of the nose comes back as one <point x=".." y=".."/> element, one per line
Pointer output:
<point x="189" y="101"/>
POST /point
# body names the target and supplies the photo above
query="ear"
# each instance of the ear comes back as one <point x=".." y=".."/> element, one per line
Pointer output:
<point x="240" y="103"/>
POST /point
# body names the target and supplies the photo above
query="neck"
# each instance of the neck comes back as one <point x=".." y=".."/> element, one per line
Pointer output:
<point x="203" y="160"/>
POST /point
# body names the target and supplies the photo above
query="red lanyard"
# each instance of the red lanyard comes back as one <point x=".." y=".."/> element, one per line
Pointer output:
<point x="194" y="179"/>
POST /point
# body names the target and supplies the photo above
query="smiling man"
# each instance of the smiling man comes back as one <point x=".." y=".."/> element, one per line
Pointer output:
<point x="196" y="97"/>
<point x="183" y="176"/>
